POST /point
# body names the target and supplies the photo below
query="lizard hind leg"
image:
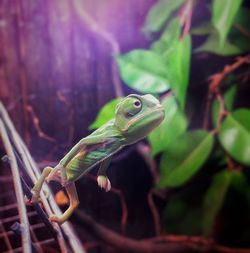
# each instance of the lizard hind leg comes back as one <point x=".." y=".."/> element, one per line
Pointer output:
<point x="54" y="175"/>
<point x="73" y="204"/>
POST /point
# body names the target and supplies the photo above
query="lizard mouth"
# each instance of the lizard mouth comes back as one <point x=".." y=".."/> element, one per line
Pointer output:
<point x="157" y="115"/>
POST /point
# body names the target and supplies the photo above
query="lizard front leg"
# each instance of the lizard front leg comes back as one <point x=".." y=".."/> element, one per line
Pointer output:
<point x="38" y="186"/>
<point x="102" y="178"/>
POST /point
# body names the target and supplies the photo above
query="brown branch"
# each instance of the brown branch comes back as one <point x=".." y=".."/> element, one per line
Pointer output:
<point x="222" y="113"/>
<point x="231" y="165"/>
<point x="245" y="77"/>
<point x="185" y="15"/>
<point x="108" y="37"/>
<point x="144" y="151"/>
<point x="160" y="244"/>
<point x="207" y="109"/>
<point x="36" y="123"/>
<point x="242" y="30"/>
<point x="124" y="208"/>
<point x="216" y="80"/>
<point x="155" y="213"/>
<point x="63" y="99"/>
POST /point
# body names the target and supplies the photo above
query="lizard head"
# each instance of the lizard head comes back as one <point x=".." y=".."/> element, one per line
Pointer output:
<point x="136" y="116"/>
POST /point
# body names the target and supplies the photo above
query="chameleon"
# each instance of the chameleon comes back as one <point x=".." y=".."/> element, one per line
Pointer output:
<point x="135" y="117"/>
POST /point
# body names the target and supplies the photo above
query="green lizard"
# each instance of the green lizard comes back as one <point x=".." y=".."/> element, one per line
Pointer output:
<point x="135" y="117"/>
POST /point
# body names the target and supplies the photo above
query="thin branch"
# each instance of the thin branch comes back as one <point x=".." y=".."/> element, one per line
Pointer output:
<point x="160" y="244"/>
<point x="124" y="208"/>
<point x="185" y="15"/>
<point x="216" y="80"/>
<point x="207" y="109"/>
<point x="32" y="170"/>
<point x="64" y="100"/>
<point x="155" y="213"/>
<point x="144" y="150"/>
<point x="26" y="240"/>
<point x="231" y="165"/>
<point x="36" y="123"/>
<point x="242" y="30"/>
<point x="222" y="113"/>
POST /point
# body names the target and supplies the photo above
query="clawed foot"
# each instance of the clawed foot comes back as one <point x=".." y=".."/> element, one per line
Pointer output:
<point x="55" y="218"/>
<point x="35" y="198"/>
<point x="104" y="183"/>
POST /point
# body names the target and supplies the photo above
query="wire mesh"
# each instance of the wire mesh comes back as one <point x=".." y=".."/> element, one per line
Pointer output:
<point x="12" y="237"/>
<point x="10" y="241"/>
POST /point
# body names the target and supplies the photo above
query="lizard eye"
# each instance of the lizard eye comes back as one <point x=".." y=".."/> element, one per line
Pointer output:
<point x="134" y="108"/>
<point x="137" y="103"/>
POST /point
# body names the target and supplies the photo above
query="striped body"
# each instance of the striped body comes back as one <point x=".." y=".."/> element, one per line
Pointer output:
<point x="89" y="156"/>
<point x="88" y="153"/>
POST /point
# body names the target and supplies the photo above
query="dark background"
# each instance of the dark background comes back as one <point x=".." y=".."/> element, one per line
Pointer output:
<point x="51" y="61"/>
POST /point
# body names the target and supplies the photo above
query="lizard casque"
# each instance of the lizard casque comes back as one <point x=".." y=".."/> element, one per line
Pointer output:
<point x="135" y="117"/>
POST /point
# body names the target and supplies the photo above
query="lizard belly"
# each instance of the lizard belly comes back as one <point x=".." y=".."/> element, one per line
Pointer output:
<point x="85" y="160"/>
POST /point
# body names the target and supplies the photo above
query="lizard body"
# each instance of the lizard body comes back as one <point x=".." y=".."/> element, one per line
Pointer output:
<point x="135" y="117"/>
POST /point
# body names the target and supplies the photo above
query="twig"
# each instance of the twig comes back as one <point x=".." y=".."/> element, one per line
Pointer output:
<point x="49" y="203"/>
<point x="216" y="80"/>
<point x="28" y="194"/>
<point x="185" y="15"/>
<point x="160" y="244"/>
<point x="242" y="30"/>
<point x="124" y="208"/>
<point x="231" y="165"/>
<point x="222" y="113"/>
<point x="155" y="214"/>
<point x="36" y="123"/>
<point x="107" y="36"/>
<point x="63" y="99"/>
<point x="144" y="150"/>
<point x="26" y="240"/>
<point x="124" y="217"/>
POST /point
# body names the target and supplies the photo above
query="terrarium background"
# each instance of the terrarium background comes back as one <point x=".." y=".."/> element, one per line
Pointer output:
<point x="52" y="62"/>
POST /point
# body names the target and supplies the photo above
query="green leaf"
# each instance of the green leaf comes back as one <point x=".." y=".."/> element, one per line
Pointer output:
<point x="178" y="65"/>
<point x="211" y="45"/>
<point x="169" y="39"/>
<point x="240" y="41"/>
<point x="234" y="135"/>
<point x="172" y="126"/>
<point x="223" y="15"/>
<point x="229" y="98"/>
<point x="105" y="114"/>
<point x="182" y="215"/>
<point x="214" y="199"/>
<point x="243" y="18"/>
<point x="239" y="34"/>
<point x="159" y="14"/>
<point x="239" y="182"/>
<point x="144" y="71"/>
<point x="176" y="54"/>
<point x="183" y="158"/>
<point x="203" y="29"/>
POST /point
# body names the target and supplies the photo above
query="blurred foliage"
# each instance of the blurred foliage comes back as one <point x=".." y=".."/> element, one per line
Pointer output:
<point x="181" y="160"/>
<point x="229" y="98"/>
<point x="106" y="113"/>
<point x="214" y="198"/>
<point x="234" y="135"/>
<point x="173" y="125"/>
<point x="183" y="151"/>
